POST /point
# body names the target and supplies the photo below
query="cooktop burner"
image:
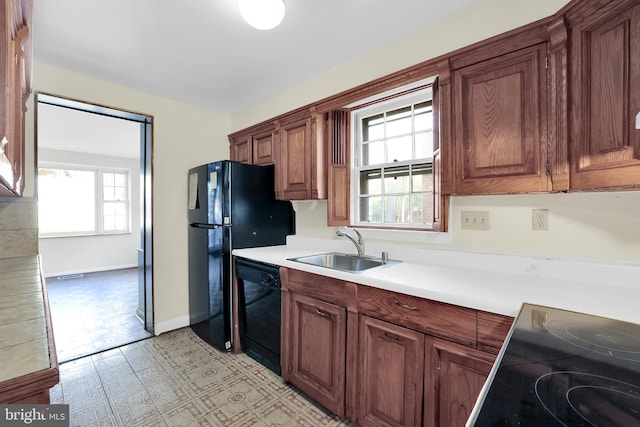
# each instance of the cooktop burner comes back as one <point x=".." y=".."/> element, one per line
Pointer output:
<point x="608" y="337"/>
<point x="561" y="368"/>
<point x="590" y="400"/>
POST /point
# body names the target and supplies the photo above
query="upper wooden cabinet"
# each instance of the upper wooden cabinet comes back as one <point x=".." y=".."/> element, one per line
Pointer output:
<point x="500" y="126"/>
<point x="605" y="79"/>
<point x="300" y="165"/>
<point x="256" y="147"/>
<point x="15" y="77"/>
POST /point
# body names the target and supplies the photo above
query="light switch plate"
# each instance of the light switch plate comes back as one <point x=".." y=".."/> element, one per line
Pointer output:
<point x="475" y="220"/>
<point x="638" y="120"/>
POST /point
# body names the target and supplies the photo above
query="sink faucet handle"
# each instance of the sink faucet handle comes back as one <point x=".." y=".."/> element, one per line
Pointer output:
<point x="385" y="257"/>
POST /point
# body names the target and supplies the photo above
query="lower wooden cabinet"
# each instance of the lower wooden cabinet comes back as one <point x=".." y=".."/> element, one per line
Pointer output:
<point x="453" y="379"/>
<point x="381" y="358"/>
<point x="317" y="363"/>
<point x="390" y="375"/>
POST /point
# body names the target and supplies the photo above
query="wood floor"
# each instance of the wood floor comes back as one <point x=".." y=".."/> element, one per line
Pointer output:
<point x="94" y="312"/>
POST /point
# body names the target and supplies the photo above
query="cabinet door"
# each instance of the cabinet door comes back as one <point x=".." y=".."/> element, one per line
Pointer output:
<point x="15" y="78"/>
<point x="454" y="376"/>
<point x="500" y="126"/>
<point x="606" y="100"/>
<point x="240" y="150"/>
<point x="391" y="374"/>
<point x="263" y="149"/>
<point x="318" y="350"/>
<point x="294" y="163"/>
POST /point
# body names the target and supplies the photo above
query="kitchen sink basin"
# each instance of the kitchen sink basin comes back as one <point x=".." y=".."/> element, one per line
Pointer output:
<point x="345" y="262"/>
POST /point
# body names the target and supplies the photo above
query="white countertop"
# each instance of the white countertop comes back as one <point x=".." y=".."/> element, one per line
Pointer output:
<point x="496" y="283"/>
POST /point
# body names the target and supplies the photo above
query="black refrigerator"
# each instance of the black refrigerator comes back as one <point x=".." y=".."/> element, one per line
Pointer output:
<point x="231" y="206"/>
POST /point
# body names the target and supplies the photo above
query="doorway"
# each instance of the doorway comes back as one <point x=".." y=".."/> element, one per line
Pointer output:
<point x="95" y="220"/>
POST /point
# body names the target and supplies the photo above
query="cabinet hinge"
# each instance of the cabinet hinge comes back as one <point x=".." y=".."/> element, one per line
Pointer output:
<point x="546" y="62"/>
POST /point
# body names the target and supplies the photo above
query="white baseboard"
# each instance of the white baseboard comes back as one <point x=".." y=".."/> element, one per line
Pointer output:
<point x="170" y="325"/>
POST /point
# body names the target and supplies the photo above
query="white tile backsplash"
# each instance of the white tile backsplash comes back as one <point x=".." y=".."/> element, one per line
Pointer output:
<point x="18" y="226"/>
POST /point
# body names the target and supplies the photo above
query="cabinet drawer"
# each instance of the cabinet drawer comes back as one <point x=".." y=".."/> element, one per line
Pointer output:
<point x="321" y="287"/>
<point x="432" y="317"/>
<point x="492" y="330"/>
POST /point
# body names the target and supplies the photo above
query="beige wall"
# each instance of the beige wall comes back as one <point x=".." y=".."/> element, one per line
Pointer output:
<point x="184" y="136"/>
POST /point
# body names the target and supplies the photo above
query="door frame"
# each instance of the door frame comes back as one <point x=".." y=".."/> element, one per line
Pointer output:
<point x="145" y="256"/>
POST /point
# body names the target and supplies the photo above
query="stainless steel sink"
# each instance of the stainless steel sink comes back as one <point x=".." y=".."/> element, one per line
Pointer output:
<point x="345" y="262"/>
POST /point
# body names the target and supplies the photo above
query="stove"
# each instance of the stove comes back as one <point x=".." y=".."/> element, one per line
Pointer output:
<point x="562" y="368"/>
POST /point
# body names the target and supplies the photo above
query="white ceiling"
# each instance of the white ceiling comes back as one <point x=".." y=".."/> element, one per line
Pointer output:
<point x="202" y="52"/>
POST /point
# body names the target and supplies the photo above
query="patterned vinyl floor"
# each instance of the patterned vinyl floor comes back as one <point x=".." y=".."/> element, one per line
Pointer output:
<point x="176" y="379"/>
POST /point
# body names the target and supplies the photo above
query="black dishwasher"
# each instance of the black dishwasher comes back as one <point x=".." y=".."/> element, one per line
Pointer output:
<point x="259" y="311"/>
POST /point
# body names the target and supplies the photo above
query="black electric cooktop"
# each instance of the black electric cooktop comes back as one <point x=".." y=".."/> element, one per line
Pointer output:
<point x="561" y="368"/>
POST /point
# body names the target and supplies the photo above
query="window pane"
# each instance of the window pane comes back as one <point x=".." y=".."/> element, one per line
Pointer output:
<point x="399" y="122"/>
<point x="399" y="149"/>
<point x="373" y="127"/>
<point x="120" y="180"/>
<point x="423" y="117"/>
<point x="397" y="209"/>
<point x="422" y="178"/>
<point x="120" y="193"/>
<point x="66" y="201"/>
<point x="371" y="209"/>
<point x="424" y="145"/>
<point x="107" y="179"/>
<point x="421" y="208"/>
<point x="371" y="182"/>
<point x="396" y="180"/>
<point x="373" y="153"/>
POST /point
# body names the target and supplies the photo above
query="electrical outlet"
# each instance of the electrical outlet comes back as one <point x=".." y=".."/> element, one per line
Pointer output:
<point x="475" y="220"/>
<point x="540" y="220"/>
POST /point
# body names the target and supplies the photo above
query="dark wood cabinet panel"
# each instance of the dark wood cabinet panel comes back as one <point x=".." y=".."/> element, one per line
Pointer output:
<point x="264" y="148"/>
<point x="391" y="371"/>
<point x="294" y="164"/>
<point x="492" y="331"/>
<point x="453" y="380"/>
<point x="318" y="356"/>
<point x="605" y="56"/>
<point x="15" y="78"/>
<point x="500" y="124"/>
<point x="432" y="317"/>
<point x="240" y="149"/>
<point x="338" y="168"/>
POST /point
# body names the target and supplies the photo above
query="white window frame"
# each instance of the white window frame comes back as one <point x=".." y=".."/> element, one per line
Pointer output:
<point x="372" y="108"/>
<point x="99" y="201"/>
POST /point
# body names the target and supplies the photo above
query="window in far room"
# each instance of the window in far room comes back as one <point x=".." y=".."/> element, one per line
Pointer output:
<point x="392" y="173"/>
<point x="75" y="201"/>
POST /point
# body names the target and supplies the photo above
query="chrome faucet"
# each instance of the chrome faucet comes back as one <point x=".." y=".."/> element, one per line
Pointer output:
<point x="359" y="244"/>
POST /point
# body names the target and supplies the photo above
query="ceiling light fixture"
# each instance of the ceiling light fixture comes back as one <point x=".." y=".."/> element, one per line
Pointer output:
<point x="262" y="14"/>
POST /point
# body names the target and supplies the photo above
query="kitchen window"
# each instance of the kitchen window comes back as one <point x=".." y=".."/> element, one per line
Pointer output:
<point x="74" y="201"/>
<point x="392" y="173"/>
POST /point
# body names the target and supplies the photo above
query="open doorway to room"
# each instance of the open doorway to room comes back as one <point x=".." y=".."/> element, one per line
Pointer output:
<point x="94" y="223"/>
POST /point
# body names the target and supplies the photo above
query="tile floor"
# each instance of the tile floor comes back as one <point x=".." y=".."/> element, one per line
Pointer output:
<point x="95" y="312"/>
<point x="176" y="379"/>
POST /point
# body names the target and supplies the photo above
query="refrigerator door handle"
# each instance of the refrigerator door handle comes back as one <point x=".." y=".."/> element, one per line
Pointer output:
<point x="202" y="225"/>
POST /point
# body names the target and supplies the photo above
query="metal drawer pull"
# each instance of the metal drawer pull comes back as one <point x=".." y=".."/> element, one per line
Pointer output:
<point x="408" y="307"/>
<point x="323" y="314"/>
